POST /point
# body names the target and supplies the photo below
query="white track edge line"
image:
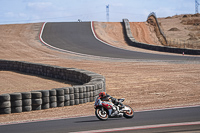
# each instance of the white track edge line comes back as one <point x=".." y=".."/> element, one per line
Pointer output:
<point x="170" y="108"/>
<point x="142" y="127"/>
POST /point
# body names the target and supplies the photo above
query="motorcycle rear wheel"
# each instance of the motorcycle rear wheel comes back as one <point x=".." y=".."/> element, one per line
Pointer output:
<point x="101" y="115"/>
<point x="129" y="114"/>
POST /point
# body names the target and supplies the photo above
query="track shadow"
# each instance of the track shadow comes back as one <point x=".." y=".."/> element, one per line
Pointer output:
<point x="97" y="120"/>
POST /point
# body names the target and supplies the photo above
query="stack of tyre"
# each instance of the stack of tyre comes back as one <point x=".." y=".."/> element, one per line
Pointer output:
<point x="36" y="100"/>
<point x="16" y="102"/>
<point x="5" y="105"/>
<point x="60" y="97"/>
<point x="26" y="101"/>
<point x="44" y="99"/>
<point x="52" y="98"/>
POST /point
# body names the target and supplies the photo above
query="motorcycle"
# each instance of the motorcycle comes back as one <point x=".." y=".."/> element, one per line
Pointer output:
<point x="104" y="109"/>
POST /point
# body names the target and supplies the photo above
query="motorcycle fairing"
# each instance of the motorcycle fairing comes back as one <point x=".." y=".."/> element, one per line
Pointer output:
<point x="107" y="105"/>
<point x="126" y="108"/>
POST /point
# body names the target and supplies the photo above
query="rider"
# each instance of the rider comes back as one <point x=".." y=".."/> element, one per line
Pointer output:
<point x="105" y="97"/>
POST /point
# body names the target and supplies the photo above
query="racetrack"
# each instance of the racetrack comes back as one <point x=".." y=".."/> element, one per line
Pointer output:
<point x="174" y="75"/>
<point x="78" y="37"/>
<point x="141" y="119"/>
<point x="168" y="120"/>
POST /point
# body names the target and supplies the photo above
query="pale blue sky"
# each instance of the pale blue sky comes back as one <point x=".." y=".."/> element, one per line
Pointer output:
<point x="30" y="11"/>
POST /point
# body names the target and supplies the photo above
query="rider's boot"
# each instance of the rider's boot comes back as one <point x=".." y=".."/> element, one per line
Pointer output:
<point x="122" y="106"/>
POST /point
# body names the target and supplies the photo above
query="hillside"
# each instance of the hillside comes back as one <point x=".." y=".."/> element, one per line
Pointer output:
<point x="182" y="30"/>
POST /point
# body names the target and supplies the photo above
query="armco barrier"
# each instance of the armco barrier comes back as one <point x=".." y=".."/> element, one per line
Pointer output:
<point x="128" y="30"/>
<point x="131" y="41"/>
<point x="90" y="86"/>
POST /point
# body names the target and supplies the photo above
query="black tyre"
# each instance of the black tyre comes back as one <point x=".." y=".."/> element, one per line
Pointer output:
<point x="53" y="104"/>
<point x="4" y="97"/>
<point x="26" y="102"/>
<point x="36" y="95"/>
<point x="76" y="89"/>
<point x="87" y="94"/>
<point x="60" y="92"/>
<point x="36" y="101"/>
<point x="84" y="100"/>
<point x="53" y="99"/>
<point x="52" y="92"/>
<point x="26" y="95"/>
<point x="66" y="90"/>
<point x="91" y="93"/>
<point x="60" y="104"/>
<point x="67" y="97"/>
<point x="36" y="107"/>
<point x="67" y="103"/>
<point x="81" y="89"/>
<point x="16" y="109"/>
<point x="76" y="101"/>
<point x="130" y="113"/>
<point x="71" y="90"/>
<point x="87" y="99"/>
<point x="45" y="93"/>
<point x="76" y="95"/>
<point x="45" y="106"/>
<point x="45" y="100"/>
<point x="15" y="96"/>
<point x="80" y="101"/>
<point x="101" y="115"/>
<point x="88" y="88"/>
<point x="84" y="89"/>
<point x="16" y="103"/>
<point x="72" y="102"/>
<point x="71" y="96"/>
<point x="26" y="108"/>
<point x="91" y="99"/>
<point x="5" y="111"/>
<point x="6" y="104"/>
<point x="60" y="98"/>
<point x="81" y="96"/>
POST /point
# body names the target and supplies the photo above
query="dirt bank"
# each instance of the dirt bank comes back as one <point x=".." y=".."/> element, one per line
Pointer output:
<point x="182" y="30"/>
<point x="113" y="34"/>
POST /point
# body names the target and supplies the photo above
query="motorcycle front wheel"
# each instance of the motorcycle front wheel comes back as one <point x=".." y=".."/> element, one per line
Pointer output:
<point x="129" y="113"/>
<point x="101" y="115"/>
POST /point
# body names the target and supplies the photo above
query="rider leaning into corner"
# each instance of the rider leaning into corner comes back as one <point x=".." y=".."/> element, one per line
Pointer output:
<point x="105" y="97"/>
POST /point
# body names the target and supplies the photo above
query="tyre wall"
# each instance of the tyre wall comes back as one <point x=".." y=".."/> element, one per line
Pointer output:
<point x="90" y="86"/>
<point x="131" y="41"/>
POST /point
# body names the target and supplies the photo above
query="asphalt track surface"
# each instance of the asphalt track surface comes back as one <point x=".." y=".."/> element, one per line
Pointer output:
<point x="78" y="37"/>
<point x="141" y="119"/>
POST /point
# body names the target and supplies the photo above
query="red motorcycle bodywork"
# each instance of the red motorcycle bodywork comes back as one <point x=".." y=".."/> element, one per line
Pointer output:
<point x="107" y="105"/>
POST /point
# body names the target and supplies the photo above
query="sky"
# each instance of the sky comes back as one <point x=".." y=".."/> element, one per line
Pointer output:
<point x="32" y="11"/>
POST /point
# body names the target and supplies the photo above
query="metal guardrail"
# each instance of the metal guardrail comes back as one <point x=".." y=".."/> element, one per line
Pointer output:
<point x="128" y="30"/>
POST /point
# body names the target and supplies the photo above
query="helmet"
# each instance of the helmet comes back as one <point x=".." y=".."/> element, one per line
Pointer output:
<point x="102" y="94"/>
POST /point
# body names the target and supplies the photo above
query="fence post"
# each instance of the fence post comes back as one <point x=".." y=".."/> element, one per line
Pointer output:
<point x="184" y="44"/>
